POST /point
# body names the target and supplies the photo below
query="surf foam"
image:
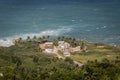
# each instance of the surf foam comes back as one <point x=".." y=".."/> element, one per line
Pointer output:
<point x="6" y="43"/>
<point x="50" y="32"/>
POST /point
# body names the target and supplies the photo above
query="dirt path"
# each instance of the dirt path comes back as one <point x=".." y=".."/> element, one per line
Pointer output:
<point x="75" y="62"/>
<point x="78" y="63"/>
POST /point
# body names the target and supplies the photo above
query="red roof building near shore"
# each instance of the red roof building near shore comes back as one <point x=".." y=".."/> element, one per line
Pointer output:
<point x="48" y="44"/>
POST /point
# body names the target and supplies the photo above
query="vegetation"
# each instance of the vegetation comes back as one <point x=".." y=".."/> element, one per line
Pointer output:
<point x="25" y="61"/>
<point x="97" y="51"/>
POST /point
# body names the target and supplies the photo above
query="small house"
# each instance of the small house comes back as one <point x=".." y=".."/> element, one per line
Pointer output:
<point x="48" y="50"/>
<point x="46" y="45"/>
<point x="62" y="45"/>
<point x="75" y="49"/>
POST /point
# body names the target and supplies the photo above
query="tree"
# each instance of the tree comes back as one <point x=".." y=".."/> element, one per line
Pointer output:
<point x="40" y="40"/>
<point x="34" y="38"/>
<point x="16" y="42"/>
<point x="67" y="59"/>
<point x="44" y="37"/>
<point x="117" y="61"/>
<point x="16" y="60"/>
<point x="35" y="59"/>
<point x="19" y="62"/>
<point x="20" y="41"/>
<point x="55" y="42"/>
<point x="83" y="46"/>
<point x="105" y="60"/>
<point x="48" y="37"/>
<point x="28" y="38"/>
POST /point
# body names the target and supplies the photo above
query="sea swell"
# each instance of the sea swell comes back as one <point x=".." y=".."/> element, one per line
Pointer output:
<point x="50" y="32"/>
<point x="93" y="22"/>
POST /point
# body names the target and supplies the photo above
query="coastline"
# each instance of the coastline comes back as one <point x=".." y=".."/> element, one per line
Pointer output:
<point x="10" y="42"/>
<point x="6" y="43"/>
<point x="26" y="55"/>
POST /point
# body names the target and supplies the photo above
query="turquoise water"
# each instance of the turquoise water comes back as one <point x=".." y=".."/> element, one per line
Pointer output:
<point x="95" y="22"/>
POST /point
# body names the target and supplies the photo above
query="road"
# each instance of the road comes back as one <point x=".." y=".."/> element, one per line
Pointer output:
<point x="75" y="62"/>
<point x="78" y="63"/>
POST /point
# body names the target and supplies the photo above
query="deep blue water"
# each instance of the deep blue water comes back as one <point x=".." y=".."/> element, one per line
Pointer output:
<point x="96" y="22"/>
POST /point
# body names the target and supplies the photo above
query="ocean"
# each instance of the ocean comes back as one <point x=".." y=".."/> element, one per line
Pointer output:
<point x="96" y="22"/>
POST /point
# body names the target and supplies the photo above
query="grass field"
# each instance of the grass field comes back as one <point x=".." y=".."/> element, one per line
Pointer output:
<point x="97" y="52"/>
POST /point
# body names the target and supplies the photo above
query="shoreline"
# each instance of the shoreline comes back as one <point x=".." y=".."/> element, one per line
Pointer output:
<point x="10" y="42"/>
<point x="6" y="43"/>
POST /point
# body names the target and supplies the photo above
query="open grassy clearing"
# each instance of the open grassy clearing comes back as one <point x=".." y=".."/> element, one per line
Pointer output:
<point x="98" y="53"/>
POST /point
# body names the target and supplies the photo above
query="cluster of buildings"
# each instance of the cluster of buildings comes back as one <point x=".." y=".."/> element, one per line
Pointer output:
<point x="65" y="47"/>
<point x="49" y="47"/>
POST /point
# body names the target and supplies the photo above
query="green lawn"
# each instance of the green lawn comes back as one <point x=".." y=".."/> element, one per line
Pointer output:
<point x="97" y="53"/>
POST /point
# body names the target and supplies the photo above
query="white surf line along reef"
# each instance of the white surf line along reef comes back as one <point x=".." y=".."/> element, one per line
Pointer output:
<point x="6" y="43"/>
<point x="50" y="32"/>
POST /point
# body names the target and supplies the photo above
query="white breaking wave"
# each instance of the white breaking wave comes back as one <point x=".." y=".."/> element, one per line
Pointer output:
<point x="104" y="27"/>
<point x="6" y="43"/>
<point x="88" y="30"/>
<point x="52" y="32"/>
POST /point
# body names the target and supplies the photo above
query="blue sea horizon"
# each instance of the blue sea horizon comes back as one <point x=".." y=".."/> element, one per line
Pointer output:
<point x="94" y="22"/>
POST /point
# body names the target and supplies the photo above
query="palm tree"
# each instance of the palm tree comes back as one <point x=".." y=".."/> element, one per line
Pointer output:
<point x="19" y="42"/>
<point x="40" y="40"/>
<point x="74" y="39"/>
<point x="34" y="38"/>
<point x="63" y="38"/>
<point x="28" y="38"/>
<point x="16" y="42"/>
<point x="48" y="37"/>
<point x="83" y="46"/>
<point x="20" y="39"/>
<point x="43" y="37"/>
<point x="70" y="41"/>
